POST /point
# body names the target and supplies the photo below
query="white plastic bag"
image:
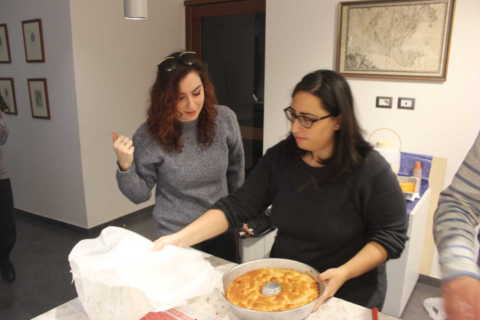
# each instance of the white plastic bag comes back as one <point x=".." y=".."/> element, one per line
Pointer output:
<point x="118" y="276"/>
<point x="434" y="307"/>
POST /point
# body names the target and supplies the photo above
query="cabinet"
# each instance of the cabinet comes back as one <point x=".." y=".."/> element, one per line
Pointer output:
<point x="403" y="273"/>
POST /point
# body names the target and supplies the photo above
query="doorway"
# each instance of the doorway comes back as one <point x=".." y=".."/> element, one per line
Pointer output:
<point x="230" y="38"/>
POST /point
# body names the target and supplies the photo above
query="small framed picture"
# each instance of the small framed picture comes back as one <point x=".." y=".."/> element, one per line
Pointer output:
<point x="38" y="93"/>
<point x="8" y="103"/>
<point x="5" y="56"/>
<point x="33" y="40"/>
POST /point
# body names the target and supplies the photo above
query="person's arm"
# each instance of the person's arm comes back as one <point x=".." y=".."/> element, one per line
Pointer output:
<point x="137" y="182"/>
<point x="454" y="229"/>
<point x="456" y="218"/>
<point x="3" y="130"/>
<point x="229" y="212"/>
<point x="383" y="205"/>
<point x="236" y="156"/>
<point x="254" y="196"/>
<point x="211" y="224"/>
<point x="370" y="256"/>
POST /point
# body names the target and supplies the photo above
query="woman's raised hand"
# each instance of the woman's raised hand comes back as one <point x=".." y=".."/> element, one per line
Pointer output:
<point x="123" y="147"/>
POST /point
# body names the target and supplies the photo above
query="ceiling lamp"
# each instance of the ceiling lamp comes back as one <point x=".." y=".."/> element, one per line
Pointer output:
<point x="135" y="9"/>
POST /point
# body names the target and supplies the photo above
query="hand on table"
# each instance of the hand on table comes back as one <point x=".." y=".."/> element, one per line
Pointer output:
<point x="123" y="147"/>
<point x="171" y="239"/>
<point x="461" y="298"/>
<point x="334" y="279"/>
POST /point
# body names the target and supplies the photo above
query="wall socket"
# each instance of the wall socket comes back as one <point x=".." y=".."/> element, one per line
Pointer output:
<point x="383" y="102"/>
<point x="406" y="103"/>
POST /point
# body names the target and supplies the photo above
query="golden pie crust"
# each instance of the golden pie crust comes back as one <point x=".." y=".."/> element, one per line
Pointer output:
<point x="297" y="289"/>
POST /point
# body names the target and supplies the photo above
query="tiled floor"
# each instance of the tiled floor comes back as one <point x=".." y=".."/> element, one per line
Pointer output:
<point x="414" y="309"/>
<point x="43" y="277"/>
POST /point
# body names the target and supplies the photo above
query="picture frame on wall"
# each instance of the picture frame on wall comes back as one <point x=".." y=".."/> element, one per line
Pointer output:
<point x="38" y="93"/>
<point x="33" y="40"/>
<point x="394" y="39"/>
<point x="8" y="102"/>
<point x="5" y="56"/>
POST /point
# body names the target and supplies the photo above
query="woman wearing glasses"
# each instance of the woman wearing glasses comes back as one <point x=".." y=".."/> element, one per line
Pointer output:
<point x="336" y="202"/>
<point x="189" y="148"/>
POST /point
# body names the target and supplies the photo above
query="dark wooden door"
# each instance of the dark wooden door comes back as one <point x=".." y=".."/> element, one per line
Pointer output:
<point x="230" y="38"/>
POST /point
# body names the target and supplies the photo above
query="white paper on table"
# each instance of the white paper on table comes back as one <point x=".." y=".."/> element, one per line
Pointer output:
<point x="118" y="275"/>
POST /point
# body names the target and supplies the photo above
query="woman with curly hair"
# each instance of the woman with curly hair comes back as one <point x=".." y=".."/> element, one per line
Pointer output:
<point x="190" y="148"/>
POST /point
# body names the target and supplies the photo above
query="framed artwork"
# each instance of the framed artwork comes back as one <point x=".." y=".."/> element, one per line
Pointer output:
<point x="8" y="103"/>
<point x="33" y="40"/>
<point x="38" y="93"/>
<point x="397" y="39"/>
<point x="5" y="56"/>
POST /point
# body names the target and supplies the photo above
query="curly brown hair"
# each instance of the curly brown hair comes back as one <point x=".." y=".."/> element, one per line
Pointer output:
<point x="161" y="115"/>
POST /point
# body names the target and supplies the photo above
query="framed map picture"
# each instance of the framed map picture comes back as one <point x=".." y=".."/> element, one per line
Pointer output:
<point x="4" y="45"/>
<point x="38" y="93"/>
<point x="398" y="39"/>
<point x="33" y="40"/>
<point x="8" y="103"/>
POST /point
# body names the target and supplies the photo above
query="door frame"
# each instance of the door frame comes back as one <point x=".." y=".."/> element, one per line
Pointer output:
<point x="196" y="9"/>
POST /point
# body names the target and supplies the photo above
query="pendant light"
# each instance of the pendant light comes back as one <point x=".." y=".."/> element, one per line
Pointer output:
<point x="135" y="9"/>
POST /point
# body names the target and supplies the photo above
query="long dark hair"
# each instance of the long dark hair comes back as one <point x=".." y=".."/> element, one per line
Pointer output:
<point x="161" y="115"/>
<point x="350" y="148"/>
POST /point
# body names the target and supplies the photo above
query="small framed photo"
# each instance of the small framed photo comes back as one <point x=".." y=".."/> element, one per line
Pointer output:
<point x="38" y="93"/>
<point x="33" y="40"/>
<point x="5" y="56"/>
<point x="8" y="103"/>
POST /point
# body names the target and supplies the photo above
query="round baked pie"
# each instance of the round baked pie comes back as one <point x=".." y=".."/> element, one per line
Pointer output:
<point x="272" y="289"/>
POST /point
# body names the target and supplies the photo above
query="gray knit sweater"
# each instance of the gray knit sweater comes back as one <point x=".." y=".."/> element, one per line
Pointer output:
<point x="189" y="182"/>
<point x="457" y="216"/>
<point x="3" y="139"/>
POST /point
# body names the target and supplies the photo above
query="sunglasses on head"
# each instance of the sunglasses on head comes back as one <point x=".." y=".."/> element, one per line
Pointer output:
<point x="170" y="63"/>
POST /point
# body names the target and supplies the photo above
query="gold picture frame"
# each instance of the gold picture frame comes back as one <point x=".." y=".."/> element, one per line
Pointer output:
<point x="33" y="40"/>
<point x="38" y="94"/>
<point x="5" y="56"/>
<point x="7" y="96"/>
<point x="394" y="39"/>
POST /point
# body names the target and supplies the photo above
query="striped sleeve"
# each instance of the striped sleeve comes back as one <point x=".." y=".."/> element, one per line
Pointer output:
<point x="456" y="219"/>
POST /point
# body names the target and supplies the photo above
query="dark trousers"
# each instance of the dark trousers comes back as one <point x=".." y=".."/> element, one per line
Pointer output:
<point x="7" y="220"/>
<point x="224" y="246"/>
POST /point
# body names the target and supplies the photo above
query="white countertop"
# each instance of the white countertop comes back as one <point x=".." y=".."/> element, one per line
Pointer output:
<point x="334" y="309"/>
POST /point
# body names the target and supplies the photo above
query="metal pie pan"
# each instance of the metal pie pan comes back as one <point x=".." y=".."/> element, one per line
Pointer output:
<point x="299" y="313"/>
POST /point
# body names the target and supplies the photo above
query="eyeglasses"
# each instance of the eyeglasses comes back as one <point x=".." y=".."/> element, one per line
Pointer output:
<point x="304" y="121"/>
<point x="170" y="63"/>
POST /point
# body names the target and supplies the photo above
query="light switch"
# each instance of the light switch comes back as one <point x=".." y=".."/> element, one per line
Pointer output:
<point x="406" y="103"/>
<point x="384" y="102"/>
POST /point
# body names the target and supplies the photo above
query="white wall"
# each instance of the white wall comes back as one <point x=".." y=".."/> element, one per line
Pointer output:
<point x="99" y="68"/>
<point x="115" y="65"/>
<point x="43" y="156"/>
<point x="301" y="38"/>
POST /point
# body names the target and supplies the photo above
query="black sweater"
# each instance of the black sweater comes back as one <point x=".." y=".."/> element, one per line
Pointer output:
<point x="322" y="223"/>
